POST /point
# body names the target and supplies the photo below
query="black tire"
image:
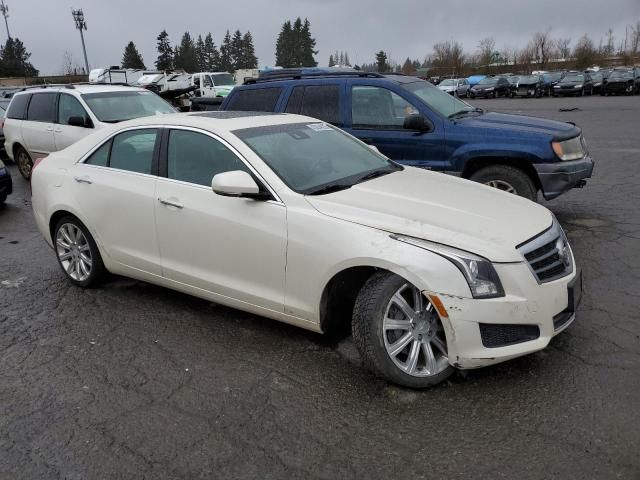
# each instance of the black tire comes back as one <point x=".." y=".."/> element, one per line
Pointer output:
<point x="516" y="178"/>
<point x="367" y="329"/>
<point x="24" y="162"/>
<point x="494" y="94"/>
<point x="3" y="198"/>
<point x="581" y="92"/>
<point x="98" y="269"/>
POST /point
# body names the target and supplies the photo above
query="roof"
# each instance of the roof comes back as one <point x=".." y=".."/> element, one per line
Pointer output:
<point x="80" y="88"/>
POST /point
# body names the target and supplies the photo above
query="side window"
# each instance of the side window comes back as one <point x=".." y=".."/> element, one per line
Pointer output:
<point x="322" y="102"/>
<point x="101" y="156"/>
<point x="206" y="81"/>
<point x="255" y="100"/>
<point x="42" y="107"/>
<point x="295" y="100"/>
<point x="196" y="158"/>
<point x="68" y="107"/>
<point x="133" y="151"/>
<point x="378" y="108"/>
<point x="18" y="106"/>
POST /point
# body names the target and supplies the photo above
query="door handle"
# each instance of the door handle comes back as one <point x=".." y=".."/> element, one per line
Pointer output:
<point x="170" y="203"/>
<point x="83" y="180"/>
<point x="58" y="130"/>
<point x="49" y="128"/>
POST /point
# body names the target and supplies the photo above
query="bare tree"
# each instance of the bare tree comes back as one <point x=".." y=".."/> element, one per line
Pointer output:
<point x="542" y="46"/>
<point x="448" y="54"/>
<point x="563" y="46"/>
<point x="634" y="44"/>
<point x="70" y="65"/>
<point x="609" y="49"/>
<point x="486" y="47"/>
<point x="526" y="57"/>
<point x="585" y="53"/>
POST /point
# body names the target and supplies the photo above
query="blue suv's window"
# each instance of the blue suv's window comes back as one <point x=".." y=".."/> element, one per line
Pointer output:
<point x="317" y="101"/>
<point x="378" y="108"/>
<point x="255" y="100"/>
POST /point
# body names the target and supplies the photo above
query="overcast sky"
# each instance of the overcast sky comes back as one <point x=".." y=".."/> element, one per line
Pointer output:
<point x="361" y="27"/>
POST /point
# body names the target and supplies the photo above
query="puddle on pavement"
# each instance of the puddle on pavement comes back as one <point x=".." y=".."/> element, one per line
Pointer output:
<point x="588" y="222"/>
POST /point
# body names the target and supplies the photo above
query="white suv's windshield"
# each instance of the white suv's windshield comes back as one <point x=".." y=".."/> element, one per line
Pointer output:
<point x="113" y="107"/>
<point x="223" y="79"/>
<point x="315" y="158"/>
<point x="437" y="100"/>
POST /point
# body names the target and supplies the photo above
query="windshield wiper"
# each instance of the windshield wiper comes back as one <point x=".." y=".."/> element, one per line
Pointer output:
<point x="111" y="121"/>
<point x="334" y="187"/>
<point x="464" y="112"/>
<point x="375" y="174"/>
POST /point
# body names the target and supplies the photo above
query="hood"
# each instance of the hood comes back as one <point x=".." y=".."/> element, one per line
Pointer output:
<point x="570" y="83"/>
<point x="527" y="83"/>
<point x="440" y="208"/>
<point x="482" y="87"/>
<point x="523" y="123"/>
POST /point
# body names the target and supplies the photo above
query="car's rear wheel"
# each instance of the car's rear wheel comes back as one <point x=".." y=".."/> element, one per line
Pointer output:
<point x="398" y="333"/>
<point x="77" y="252"/>
<point x="508" y="179"/>
<point x="24" y="162"/>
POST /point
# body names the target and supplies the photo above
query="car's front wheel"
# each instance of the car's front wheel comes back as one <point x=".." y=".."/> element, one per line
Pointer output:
<point x="24" y="162"/>
<point x="399" y="334"/>
<point x="508" y="179"/>
<point x="77" y="252"/>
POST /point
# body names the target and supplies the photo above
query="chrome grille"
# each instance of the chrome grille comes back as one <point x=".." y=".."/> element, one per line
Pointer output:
<point x="548" y="254"/>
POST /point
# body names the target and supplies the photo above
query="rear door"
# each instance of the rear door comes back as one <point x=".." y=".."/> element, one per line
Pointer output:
<point x="318" y="101"/>
<point x="63" y="133"/>
<point x="37" y="129"/>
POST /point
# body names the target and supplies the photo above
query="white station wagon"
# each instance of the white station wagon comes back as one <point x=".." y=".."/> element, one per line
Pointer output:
<point x="295" y="220"/>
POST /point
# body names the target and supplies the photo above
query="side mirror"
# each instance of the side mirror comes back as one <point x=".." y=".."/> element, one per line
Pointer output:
<point x="417" y="123"/>
<point x="237" y="184"/>
<point x="374" y="148"/>
<point x="80" y="122"/>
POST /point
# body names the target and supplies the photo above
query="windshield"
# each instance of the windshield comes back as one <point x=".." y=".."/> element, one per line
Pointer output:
<point x="309" y="157"/>
<point x="437" y="100"/>
<point x="488" y="81"/>
<point x="112" y="107"/>
<point x="448" y="83"/>
<point x="574" y="78"/>
<point x="596" y="77"/>
<point x="513" y="80"/>
<point x="223" y="79"/>
<point x="528" y="79"/>
<point x="615" y="75"/>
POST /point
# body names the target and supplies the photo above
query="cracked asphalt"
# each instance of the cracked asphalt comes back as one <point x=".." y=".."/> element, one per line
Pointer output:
<point x="130" y="380"/>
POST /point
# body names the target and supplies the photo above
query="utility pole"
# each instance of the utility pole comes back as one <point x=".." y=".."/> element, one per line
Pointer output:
<point x="5" y="13"/>
<point x="81" y="25"/>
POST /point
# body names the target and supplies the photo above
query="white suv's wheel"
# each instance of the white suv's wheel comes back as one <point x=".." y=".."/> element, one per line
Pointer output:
<point x="399" y="334"/>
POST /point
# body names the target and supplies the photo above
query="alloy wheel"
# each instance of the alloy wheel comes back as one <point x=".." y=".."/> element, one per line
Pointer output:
<point x="24" y="164"/>
<point x="74" y="252"/>
<point x="502" y="185"/>
<point x="413" y="335"/>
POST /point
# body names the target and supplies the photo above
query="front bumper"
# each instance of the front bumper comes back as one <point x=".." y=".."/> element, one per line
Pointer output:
<point x="524" y="92"/>
<point x="543" y="307"/>
<point x="558" y="177"/>
<point x="567" y="91"/>
<point x="6" y="185"/>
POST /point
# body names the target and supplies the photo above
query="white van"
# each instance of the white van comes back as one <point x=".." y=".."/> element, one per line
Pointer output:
<point x="213" y="84"/>
<point x="47" y="119"/>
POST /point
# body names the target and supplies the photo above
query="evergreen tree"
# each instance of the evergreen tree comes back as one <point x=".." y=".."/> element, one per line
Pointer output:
<point x="347" y="63"/>
<point x="236" y="51"/>
<point x="249" y="58"/>
<point x="408" y="68"/>
<point x="341" y="59"/>
<point x="226" y="62"/>
<point x="14" y="60"/>
<point x="131" y="57"/>
<point x="331" y="61"/>
<point x="283" y="46"/>
<point x="185" y="55"/>
<point x="211" y="55"/>
<point x="295" y="47"/>
<point x="381" y="62"/>
<point x="308" y="44"/>
<point x="201" y="54"/>
<point x="165" y="52"/>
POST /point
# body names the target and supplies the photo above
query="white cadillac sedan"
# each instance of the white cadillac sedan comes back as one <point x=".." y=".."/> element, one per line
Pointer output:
<point x="293" y="219"/>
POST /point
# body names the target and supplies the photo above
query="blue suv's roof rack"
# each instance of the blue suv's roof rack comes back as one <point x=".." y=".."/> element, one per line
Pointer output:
<point x="299" y="73"/>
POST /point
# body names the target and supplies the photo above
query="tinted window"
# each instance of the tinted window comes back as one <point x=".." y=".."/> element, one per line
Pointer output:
<point x="376" y="107"/>
<point x="197" y="158"/>
<point x="295" y="100"/>
<point x="42" y="107"/>
<point x="101" y="156"/>
<point x="68" y="107"/>
<point x="133" y="151"/>
<point x="256" y="100"/>
<point x="18" y="106"/>
<point x="322" y="102"/>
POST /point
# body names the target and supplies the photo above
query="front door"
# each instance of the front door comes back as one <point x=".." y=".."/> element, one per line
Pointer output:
<point x="235" y="247"/>
<point x="377" y="118"/>
<point x="65" y="134"/>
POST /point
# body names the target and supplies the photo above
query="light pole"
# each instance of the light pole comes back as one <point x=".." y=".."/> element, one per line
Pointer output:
<point x="81" y="25"/>
<point x="5" y="13"/>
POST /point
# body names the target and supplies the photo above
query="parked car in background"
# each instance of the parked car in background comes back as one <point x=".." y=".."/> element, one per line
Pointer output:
<point x="414" y="123"/>
<point x="3" y="114"/>
<point x="213" y="84"/>
<point x="620" y="82"/>
<point x="455" y="86"/>
<point x="491" y="87"/>
<point x="598" y="81"/>
<point x="474" y="79"/>
<point x="551" y="79"/>
<point x="577" y="84"/>
<point x="43" y="120"/>
<point x="6" y="185"/>
<point x="529" y="86"/>
<point x="287" y="217"/>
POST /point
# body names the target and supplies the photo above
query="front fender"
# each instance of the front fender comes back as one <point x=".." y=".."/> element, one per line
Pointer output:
<point x="464" y="155"/>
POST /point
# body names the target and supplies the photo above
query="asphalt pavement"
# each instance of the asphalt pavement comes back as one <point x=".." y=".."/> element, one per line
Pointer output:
<point x="130" y="380"/>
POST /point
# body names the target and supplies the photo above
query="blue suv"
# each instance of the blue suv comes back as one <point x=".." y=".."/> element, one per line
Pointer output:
<point x="414" y="123"/>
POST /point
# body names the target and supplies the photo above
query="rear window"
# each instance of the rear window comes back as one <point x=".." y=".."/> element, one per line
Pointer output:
<point x="42" y="107"/>
<point x="318" y="101"/>
<point x="255" y="100"/>
<point x="18" y="106"/>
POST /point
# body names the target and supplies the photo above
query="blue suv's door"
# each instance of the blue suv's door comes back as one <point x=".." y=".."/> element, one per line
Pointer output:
<point x="375" y="113"/>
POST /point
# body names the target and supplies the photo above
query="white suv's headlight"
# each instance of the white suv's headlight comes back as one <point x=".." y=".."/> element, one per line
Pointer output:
<point x="479" y="273"/>
<point x="571" y="149"/>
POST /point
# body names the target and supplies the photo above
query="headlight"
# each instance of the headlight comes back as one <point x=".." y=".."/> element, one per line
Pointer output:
<point x="479" y="273"/>
<point x="556" y="86"/>
<point x="572" y="149"/>
<point x="578" y="86"/>
<point x="489" y="89"/>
